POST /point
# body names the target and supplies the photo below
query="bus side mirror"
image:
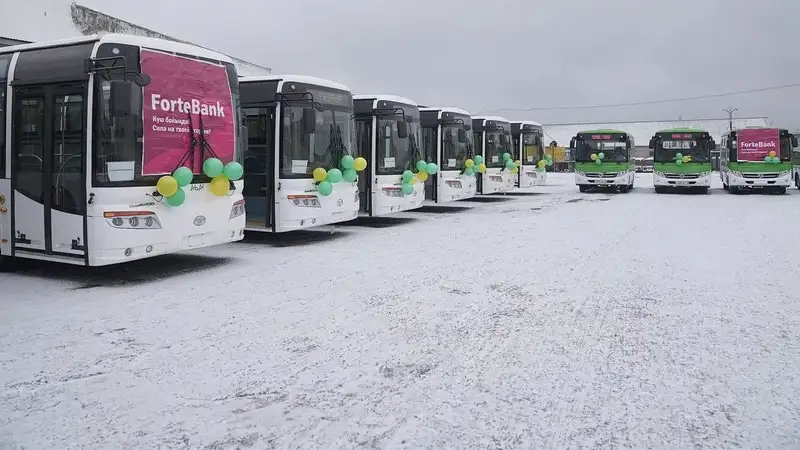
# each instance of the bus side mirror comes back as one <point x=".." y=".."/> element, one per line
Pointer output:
<point x="245" y="136"/>
<point x="794" y="141"/>
<point x="462" y="136"/>
<point x="713" y="143"/>
<point x="652" y="144"/>
<point x="572" y="143"/>
<point x="402" y="129"/>
<point x="309" y="120"/>
<point x="120" y="97"/>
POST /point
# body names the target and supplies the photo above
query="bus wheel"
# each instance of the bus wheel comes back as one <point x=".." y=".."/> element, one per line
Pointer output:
<point x="704" y="190"/>
<point x="583" y="188"/>
<point x="5" y="264"/>
<point x="661" y="190"/>
<point x="780" y="191"/>
<point x="733" y="189"/>
<point x="797" y="180"/>
<point x="624" y="189"/>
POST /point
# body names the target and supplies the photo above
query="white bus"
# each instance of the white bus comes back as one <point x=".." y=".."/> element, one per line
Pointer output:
<point x="756" y="158"/>
<point x="528" y="150"/>
<point x="388" y="136"/>
<point x="493" y="140"/>
<point x="448" y="141"/>
<point x="300" y="135"/>
<point x="91" y="130"/>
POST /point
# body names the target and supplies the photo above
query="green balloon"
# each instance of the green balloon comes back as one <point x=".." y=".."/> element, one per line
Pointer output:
<point x="468" y="170"/>
<point x="325" y="188"/>
<point x="177" y="198"/>
<point x="679" y="155"/>
<point x="334" y="176"/>
<point x="598" y="162"/>
<point x="183" y="175"/>
<point x="506" y="156"/>
<point x="233" y="171"/>
<point x="213" y="167"/>
<point x="679" y="162"/>
<point x="600" y="155"/>
<point x="478" y="159"/>
<point x="407" y="176"/>
<point x="349" y="175"/>
<point x="408" y="188"/>
<point x="432" y="168"/>
<point x="510" y="164"/>
<point x="348" y="162"/>
<point x="422" y="166"/>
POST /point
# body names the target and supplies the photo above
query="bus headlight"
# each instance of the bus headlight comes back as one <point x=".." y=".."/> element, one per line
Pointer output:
<point x="783" y="173"/>
<point x="736" y="174"/>
<point x="133" y="220"/>
<point x="237" y="209"/>
<point x="580" y="173"/>
<point x="304" y="201"/>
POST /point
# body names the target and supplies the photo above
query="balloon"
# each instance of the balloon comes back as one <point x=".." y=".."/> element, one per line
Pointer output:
<point x="233" y="170"/>
<point x="542" y="162"/>
<point x="349" y="175"/>
<point x="422" y="176"/>
<point x="360" y="164"/>
<point x="220" y="185"/>
<point x="422" y="165"/>
<point x="212" y="167"/>
<point x="325" y="188"/>
<point x="679" y="162"/>
<point x="183" y="175"/>
<point x="772" y="153"/>
<point x="177" y="198"/>
<point x="167" y="186"/>
<point x="468" y="170"/>
<point x="407" y="176"/>
<point x="679" y="155"/>
<point x="601" y="155"/>
<point x="334" y="175"/>
<point x="549" y="157"/>
<point x="685" y="159"/>
<point x="432" y="168"/>
<point x="469" y="163"/>
<point x="517" y="163"/>
<point x="515" y="170"/>
<point x="481" y="167"/>
<point x="319" y="174"/>
<point x="594" y="156"/>
<point x="598" y="162"/>
<point x="408" y="188"/>
<point x="510" y="164"/>
<point x="549" y="162"/>
<point x="478" y="159"/>
<point x="506" y="156"/>
<point x="348" y="162"/>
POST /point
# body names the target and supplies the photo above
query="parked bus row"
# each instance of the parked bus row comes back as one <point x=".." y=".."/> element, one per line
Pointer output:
<point x="116" y="147"/>
<point x="754" y="158"/>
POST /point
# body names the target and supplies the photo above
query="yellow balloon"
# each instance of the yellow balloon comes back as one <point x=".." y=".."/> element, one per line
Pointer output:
<point x="515" y="170"/>
<point x="422" y="176"/>
<point x="167" y="186"/>
<point x="481" y="167"/>
<point x="772" y="153"/>
<point x="469" y="163"/>
<point x="685" y="159"/>
<point x="541" y="163"/>
<point x="219" y="185"/>
<point x="319" y="174"/>
<point x="594" y="156"/>
<point x="518" y="163"/>
<point x="360" y="164"/>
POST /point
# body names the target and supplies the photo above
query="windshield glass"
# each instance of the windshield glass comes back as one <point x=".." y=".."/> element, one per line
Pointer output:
<point x="394" y="154"/>
<point x="494" y="150"/>
<point x="332" y="138"/>
<point x="613" y="150"/>
<point x="531" y="148"/>
<point x="696" y="147"/>
<point x="454" y="153"/>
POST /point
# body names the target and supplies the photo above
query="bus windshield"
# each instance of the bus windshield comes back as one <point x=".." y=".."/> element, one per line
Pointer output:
<point x="494" y="149"/>
<point x="454" y="153"/>
<point x="332" y="138"/>
<point x="698" y="148"/>
<point x="395" y="155"/>
<point x="531" y="148"/>
<point x="613" y="149"/>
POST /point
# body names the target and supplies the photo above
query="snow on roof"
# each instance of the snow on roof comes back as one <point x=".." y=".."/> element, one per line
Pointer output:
<point x="450" y="109"/>
<point x="297" y="79"/>
<point x="527" y="122"/>
<point x="387" y="98"/>
<point x="495" y="118"/>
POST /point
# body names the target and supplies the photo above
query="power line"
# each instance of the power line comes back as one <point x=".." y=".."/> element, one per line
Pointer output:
<point x="650" y="102"/>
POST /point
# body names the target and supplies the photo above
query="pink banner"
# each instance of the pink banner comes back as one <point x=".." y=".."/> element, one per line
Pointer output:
<point x="181" y="88"/>
<point x="755" y="144"/>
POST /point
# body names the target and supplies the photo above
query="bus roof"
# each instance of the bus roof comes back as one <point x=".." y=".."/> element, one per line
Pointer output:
<point x="527" y="122"/>
<point x="124" y="39"/>
<point x="450" y="109"/>
<point x="297" y="79"/>
<point x="495" y="118"/>
<point x="682" y="130"/>
<point x="603" y="131"/>
<point x="386" y="97"/>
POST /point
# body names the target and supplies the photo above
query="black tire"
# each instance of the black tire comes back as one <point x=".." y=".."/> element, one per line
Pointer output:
<point x="661" y="189"/>
<point x="724" y="186"/>
<point x="5" y="264"/>
<point x="733" y="189"/>
<point x="583" y="188"/>
<point x="797" y="180"/>
<point x="624" y="189"/>
<point x="780" y="191"/>
<point x="704" y="190"/>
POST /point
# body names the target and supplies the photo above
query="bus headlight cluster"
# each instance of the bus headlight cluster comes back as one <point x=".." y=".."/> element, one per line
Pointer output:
<point x="453" y="184"/>
<point x="237" y="209"/>
<point x="307" y="201"/>
<point x="133" y="220"/>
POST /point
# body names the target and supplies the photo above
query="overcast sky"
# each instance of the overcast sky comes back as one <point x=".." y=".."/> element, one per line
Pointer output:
<point x="488" y="55"/>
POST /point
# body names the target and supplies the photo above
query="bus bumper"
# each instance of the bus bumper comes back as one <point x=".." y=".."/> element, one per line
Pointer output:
<point x="681" y="180"/>
<point x="759" y="180"/>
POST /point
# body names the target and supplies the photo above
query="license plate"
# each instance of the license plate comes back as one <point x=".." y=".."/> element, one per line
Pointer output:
<point x="196" y="240"/>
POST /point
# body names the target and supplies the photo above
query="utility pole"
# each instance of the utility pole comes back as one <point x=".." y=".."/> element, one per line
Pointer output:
<point x="730" y="112"/>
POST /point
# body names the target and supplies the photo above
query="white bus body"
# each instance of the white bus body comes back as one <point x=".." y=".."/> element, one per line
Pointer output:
<point x="528" y="149"/>
<point x="282" y="154"/>
<point x="81" y="149"/>
<point x="388" y="151"/>
<point x="738" y="175"/>
<point x="493" y="139"/>
<point x="443" y="130"/>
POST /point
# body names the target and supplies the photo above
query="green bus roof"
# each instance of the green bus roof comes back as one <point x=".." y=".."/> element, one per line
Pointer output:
<point x="603" y="131"/>
<point x="682" y="130"/>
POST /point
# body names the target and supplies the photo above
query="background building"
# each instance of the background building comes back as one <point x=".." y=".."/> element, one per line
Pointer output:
<point x="40" y="20"/>
<point x="559" y="135"/>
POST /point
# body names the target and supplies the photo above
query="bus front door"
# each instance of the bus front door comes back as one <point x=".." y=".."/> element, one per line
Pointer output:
<point x="259" y="168"/>
<point x="48" y="171"/>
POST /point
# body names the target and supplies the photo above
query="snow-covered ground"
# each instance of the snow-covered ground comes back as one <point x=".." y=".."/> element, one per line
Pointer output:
<point x="549" y="320"/>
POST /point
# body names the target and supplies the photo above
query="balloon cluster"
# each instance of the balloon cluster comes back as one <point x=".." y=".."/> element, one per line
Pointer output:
<point x="325" y="179"/>
<point x="680" y="158"/>
<point x="772" y="158"/>
<point x="510" y="165"/>
<point x="424" y="170"/>
<point x="597" y="157"/>
<point x="474" y="165"/>
<point x="171" y="186"/>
